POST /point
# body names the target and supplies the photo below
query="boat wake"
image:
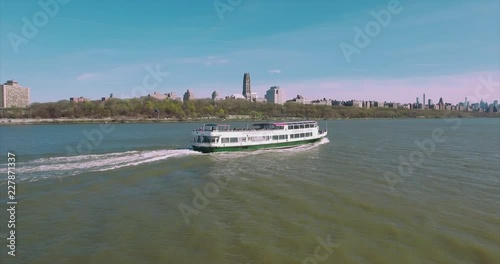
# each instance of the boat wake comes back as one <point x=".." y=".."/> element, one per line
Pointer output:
<point x="57" y="167"/>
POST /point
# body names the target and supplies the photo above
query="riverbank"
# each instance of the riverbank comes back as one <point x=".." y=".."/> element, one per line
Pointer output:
<point x="128" y="120"/>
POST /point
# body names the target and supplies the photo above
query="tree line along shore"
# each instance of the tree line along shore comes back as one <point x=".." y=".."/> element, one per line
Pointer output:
<point x="153" y="110"/>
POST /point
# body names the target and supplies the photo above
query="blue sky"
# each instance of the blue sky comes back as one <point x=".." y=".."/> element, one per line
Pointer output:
<point x="94" y="48"/>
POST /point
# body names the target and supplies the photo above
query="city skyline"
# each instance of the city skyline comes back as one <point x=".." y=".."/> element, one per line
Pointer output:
<point x="269" y="97"/>
<point x="440" y="49"/>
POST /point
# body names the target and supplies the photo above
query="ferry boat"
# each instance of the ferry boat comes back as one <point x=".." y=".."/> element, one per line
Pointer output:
<point x="221" y="137"/>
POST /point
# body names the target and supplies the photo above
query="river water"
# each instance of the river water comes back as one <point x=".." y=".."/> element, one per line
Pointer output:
<point x="375" y="191"/>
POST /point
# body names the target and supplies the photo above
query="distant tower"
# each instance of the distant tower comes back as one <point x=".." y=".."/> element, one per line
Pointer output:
<point x="441" y="104"/>
<point x="418" y="104"/>
<point x="188" y="96"/>
<point x="247" y="92"/>
<point x="423" y="102"/>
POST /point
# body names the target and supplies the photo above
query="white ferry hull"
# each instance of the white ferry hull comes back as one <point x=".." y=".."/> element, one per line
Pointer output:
<point x="219" y="138"/>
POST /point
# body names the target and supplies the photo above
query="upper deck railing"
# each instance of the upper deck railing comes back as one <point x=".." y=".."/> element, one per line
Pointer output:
<point x="260" y="126"/>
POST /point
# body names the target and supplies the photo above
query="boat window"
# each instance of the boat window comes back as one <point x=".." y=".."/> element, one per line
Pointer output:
<point x="199" y="139"/>
<point x="302" y="135"/>
<point x="275" y="137"/>
<point x="290" y="127"/>
<point x="215" y="139"/>
<point x="243" y="139"/>
<point x="225" y="140"/>
<point x="307" y="125"/>
<point x="234" y="140"/>
<point x="301" y="126"/>
<point x="297" y="135"/>
<point x="262" y="138"/>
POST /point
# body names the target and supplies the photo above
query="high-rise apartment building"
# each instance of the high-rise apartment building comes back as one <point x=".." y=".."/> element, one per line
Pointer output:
<point x="14" y="95"/>
<point x="275" y="95"/>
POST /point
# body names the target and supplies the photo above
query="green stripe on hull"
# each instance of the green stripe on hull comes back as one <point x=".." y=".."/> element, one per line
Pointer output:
<point x="255" y="147"/>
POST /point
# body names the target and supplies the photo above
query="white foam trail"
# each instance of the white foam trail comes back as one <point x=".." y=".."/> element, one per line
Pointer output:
<point x="80" y="157"/>
<point x="73" y="165"/>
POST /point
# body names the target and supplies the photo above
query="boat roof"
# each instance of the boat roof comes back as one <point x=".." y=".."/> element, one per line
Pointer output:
<point x="286" y="123"/>
<point x="214" y="125"/>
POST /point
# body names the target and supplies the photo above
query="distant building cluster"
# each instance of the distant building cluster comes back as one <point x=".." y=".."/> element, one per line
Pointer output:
<point x="462" y="106"/>
<point x="83" y="99"/>
<point x="160" y="96"/>
<point x="14" y="95"/>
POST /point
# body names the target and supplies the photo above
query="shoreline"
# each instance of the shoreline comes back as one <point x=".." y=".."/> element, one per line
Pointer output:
<point x="82" y="121"/>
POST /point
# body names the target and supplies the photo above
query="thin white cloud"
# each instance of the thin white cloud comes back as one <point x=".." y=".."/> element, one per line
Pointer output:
<point x="208" y="61"/>
<point x="86" y="76"/>
<point x="275" y="71"/>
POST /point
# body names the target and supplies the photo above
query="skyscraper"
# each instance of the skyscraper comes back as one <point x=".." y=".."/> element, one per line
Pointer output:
<point x="275" y="95"/>
<point x="441" y="104"/>
<point x="247" y="92"/>
<point x="423" y="102"/>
